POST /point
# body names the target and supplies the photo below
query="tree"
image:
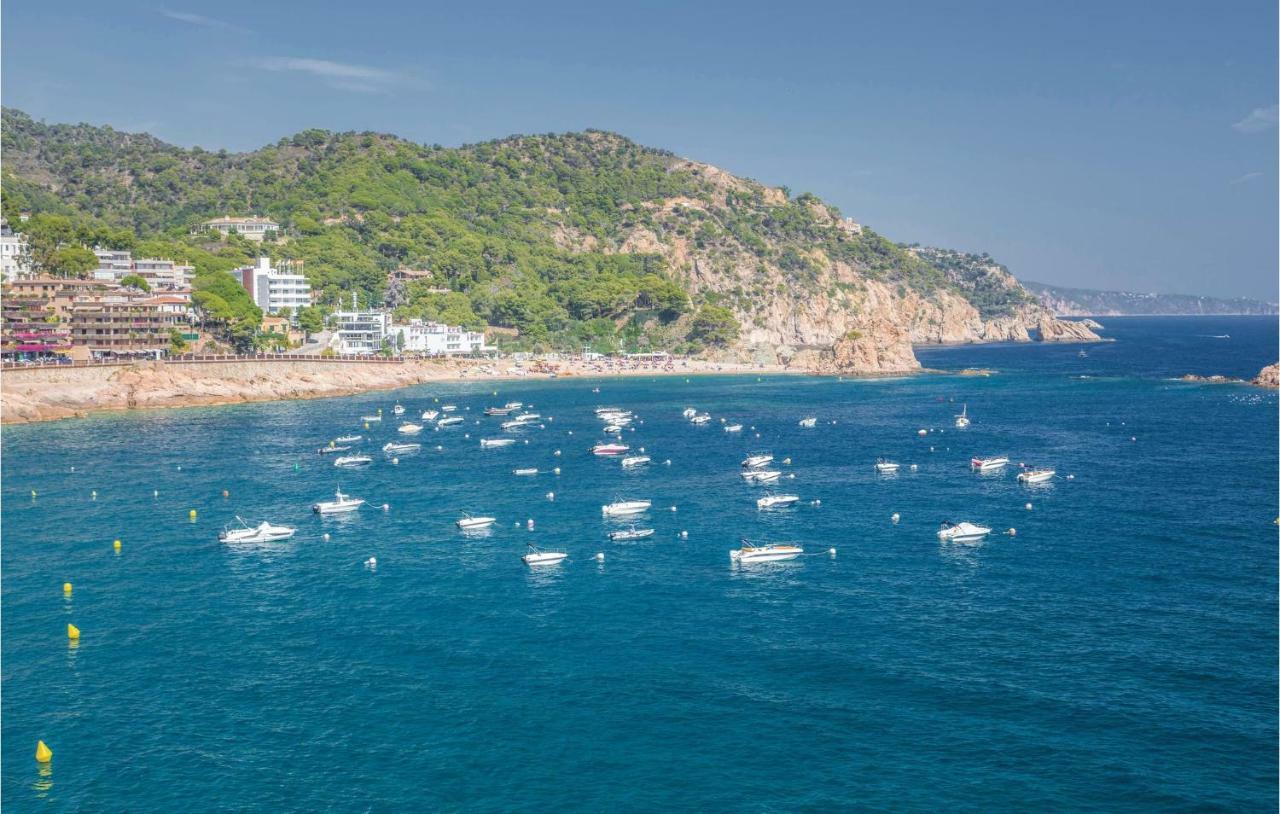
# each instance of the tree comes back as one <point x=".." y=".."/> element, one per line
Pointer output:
<point x="714" y="325"/>
<point x="135" y="281"/>
<point x="310" y="320"/>
<point x="177" y="344"/>
<point x="74" y="261"/>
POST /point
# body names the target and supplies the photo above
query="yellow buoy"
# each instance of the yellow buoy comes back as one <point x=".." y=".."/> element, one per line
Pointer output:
<point x="73" y="632"/>
<point x="43" y="753"/>
<point x="192" y="514"/>
<point x="116" y="546"/>
<point x="66" y="587"/>
<point x="366" y="425"/>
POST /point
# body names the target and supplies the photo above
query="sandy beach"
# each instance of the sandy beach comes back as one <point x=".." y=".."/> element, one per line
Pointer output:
<point x="53" y="393"/>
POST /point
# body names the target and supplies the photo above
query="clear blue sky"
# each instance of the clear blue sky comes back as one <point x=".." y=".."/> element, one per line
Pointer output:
<point x="1100" y="144"/>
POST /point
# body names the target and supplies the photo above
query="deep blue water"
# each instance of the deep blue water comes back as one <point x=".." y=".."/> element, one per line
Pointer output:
<point x="1117" y="654"/>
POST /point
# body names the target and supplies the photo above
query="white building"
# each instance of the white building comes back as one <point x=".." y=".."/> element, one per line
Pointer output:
<point x="164" y="273"/>
<point x="253" y="228"/>
<point x="275" y="288"/>
<point x="15" y="261"/>
<point x="113" y="264"/>
<point x="434" y="339"/>
<point x="360" y="331"/>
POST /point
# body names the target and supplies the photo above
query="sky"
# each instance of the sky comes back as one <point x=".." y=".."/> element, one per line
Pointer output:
<point x="1120" y="145"/>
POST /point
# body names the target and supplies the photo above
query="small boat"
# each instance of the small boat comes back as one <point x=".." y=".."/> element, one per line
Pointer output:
<point x="1036" y="475"/>
<point x="633" y="461"/>
<point x="527" y="417"/>
<point x="430" y="415"/>
<point x="448" y="408"/>
<point x="333" y="448"/>
<point x="410" y="429"/>
<point x="398" y="448"/>
<point x="449" y="421"/>
<point x="809" y="423"/>
<point x="689" y="412"/>
<point x="613" y="429"/>
<point x="962" y="420"/>
<point x="777" y="501"/>
<point x="733" y="428"/>
<point x="988" y="464"/>
<point x="757" y="461"/>
<point x="1082" y="354"/>
<point x="962" y="532"/>
<point x="512" y="425"/>
<point x="492" y="411"/>
<point x="537" y="556"/>
<point x="758" y="476"/>
<point x="264" y="532"/>
<point x="377" y="417"/>
<point x="922" y="432"/>
<point x="604" y="448"/>
<point x="486" y="443"/>
<point x="776" y="552"/>
<point x="886" y="467"/>
<point x="632" y="533"/>
<point x="469" y="523"/>
<point x="613" y="418"/>
<point x="350" y="461"/>
<point x="347" y="439"/>
<point x="700" y="419"/>
<point x="622" y="508"/>
<point x="398" y="409"/>
<point x="340" y="503"/>
<point x="513" y="405"/>
<point x="533" y="470"/>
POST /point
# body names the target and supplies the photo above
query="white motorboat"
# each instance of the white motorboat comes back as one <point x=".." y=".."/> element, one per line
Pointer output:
<point x="493" y="411"/>
<point x="400" y="448"/>
<point x="377" y="417"/>
<point x="700" y="419"/>
<point x="340" y="503"/>
<point x="1036" y="475"/>
<point x="430" y="415"/>
<point x="529" y="470"/>
<point x="398" y="409"/>
<point x="758" y="476"/>
<point x="347" y="439"/>
<point x="775" y="552"/>
<point x="513" y="405"/>
<point x="757" y="461"/>
<point x="264" y="532"/>
<point x="603" y="410"/>
<point x="988" y="464"/>
<point x="537" y="556"/>
<point x="410" y="429"/>
<point x="332" y="448"/>
<point x="449" y="421"/>
<point x="633" y="461"/>
<point x="777" y="501"/>
<point x="613" y="429"/>
<point x="469" y="523"/>
<point x="486" y="443"/>
<point x="632" y="533"/>
<point x="689" y="412"/>
<point x="448" y="408"/>
<point x="623" y="508"/>
<point x="886" y="467"/>
<point x="962" y="532"/>
<point x="512" y="425"/>
<point x="350" y="461"/>
<point x="962" y="420"/>
<point x="527" y="417"/>
<point x="809" y="423"/>
<point x="605" y="448"/>
<point x="733" y="428"/>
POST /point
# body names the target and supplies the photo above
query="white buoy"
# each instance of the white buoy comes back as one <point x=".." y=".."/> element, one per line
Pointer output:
<point x="556" y="453"/>
<point x="439" y="448"/>
<point x="326" y="536"/>
<point x="895" y="517"/>
<point x="386" y="507"/>
<point x="1028" y="507"/>
<point x="395" y="460"/>
<point x="673" y="508"/>
<point x="371" y="563"/>
<point x="551" y="495"/>
<point x="914" y="468"/>
<point x="1071" y="477"/>
<point x="817" y="502"/>
<point x="556" y="470"/>
<point x="831" y="551"/>
<point x="529" y="524"/>
<point x="1133" y="438"/>
<point x="1013" y="532"/>
<point x="571" y="432"/>
<point x="684" y="535"/>
<point x="642" y="449"/>
<point x="667" y="462"/>
<point x="73" y="469"/>
<point x="156" y="493"/>
<point x="599" y="556"/>
<point x="786" y="461"/>
<point x="526" y="442"/>
<point x="931" y="449"/>
<point x="466" y="435"/>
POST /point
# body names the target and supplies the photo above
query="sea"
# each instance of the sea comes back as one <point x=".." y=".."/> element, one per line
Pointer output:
<point x="1110" y="647"/>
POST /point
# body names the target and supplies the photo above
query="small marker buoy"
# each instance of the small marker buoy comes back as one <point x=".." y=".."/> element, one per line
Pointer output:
<point x="551" y="495"/>
<point x="179" y="467"/>
<point x="73" y="469"/>
<point x="667" y="462"/>
<point x="386" y="507"/>
<point x="817" y="502"/>
<point x="831" y="551"/>
<point x="33" y="494"/>
<point x="66" y="588"/>
<point x="192" y="514"/>
<point x="642" y="449"/>
<point x="786" y="461"/>
<point x="115" y="544"/>
<point x="895" y="517"/>
<point x="225" y="493"/>
<point x="366" y="425"/>
<point x="914" y="468"/>
<point x="526" y="442"/>
<point x="600" y="556"/>
<point x="673" y="508"/>
<point x="1013" y="532"/>
<point x="556" y="470"/>
<point x="1133" y="438"/>
<point x="466" y="435"/>
<point x="43" y="753"/>
<point x="156" y="492"/>
<point x="1028" y="507"/>
<point x="93" y="495"/>
<point x="556" y="453"/>
<point x="529" y="524"/>
<point x="439" y="447"/>
<point x="931" y="449"/>
<point x="757" y="435"/>
<point x="73" y="632"/>
<point x="326" y="537"/>
<point x="571" y="432"/>
<point x="684" y="535"/>
<point x="1071" y="477"/>
<point x="395" y="460"/>
<point x="371" y="563"/>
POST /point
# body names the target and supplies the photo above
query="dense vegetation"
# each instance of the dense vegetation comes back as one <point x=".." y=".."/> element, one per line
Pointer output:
<point x="985" y="283"/>
<point x="528" y="233"/>
<point x="1085" y="301"/>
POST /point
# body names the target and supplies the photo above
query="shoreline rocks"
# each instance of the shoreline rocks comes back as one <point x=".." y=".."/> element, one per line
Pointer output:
<point x="1062" y="330"/>
<point x="1268" y="377"/>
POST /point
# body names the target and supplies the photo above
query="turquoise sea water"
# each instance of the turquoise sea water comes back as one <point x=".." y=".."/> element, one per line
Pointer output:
<point x="1117" y="654"/>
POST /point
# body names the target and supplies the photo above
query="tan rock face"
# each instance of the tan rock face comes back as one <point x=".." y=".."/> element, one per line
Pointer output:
<point x="1061" y="330"/>
<point x="885" y="347"/>
<point x="1269" y="376"/>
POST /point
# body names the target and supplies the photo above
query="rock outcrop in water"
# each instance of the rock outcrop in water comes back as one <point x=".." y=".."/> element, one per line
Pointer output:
<point x="881" y="349"/>
<point x="1062" y="330"/>
<point x="1269" y="376"/>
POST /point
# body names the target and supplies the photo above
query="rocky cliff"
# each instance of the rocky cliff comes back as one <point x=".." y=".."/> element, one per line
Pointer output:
<point x="1269" y="376"/>
<point x="1062" y="330"/>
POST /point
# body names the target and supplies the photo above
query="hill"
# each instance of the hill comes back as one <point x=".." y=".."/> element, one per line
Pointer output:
<point x="572" y="239"/>
<point x="1089" y="302"/>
